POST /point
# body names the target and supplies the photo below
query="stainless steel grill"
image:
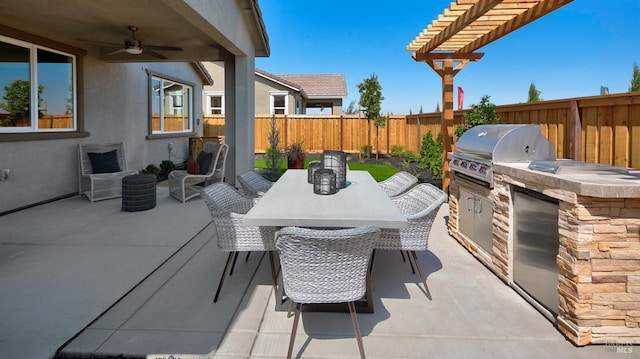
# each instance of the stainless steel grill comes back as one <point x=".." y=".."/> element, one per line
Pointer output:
<point x="481" y="146"/>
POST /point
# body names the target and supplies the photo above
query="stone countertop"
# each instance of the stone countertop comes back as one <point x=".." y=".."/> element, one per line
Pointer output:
<point x="601" y="184"/>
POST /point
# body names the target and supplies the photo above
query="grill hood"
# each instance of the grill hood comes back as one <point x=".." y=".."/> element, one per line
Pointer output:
<point x="505" y="143"/>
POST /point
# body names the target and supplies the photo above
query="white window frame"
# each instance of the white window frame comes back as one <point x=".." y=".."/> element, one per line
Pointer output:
<point x="33" y="81"/>
<point x="210" y="109"/>
<point x="186" y="103"/>
<point x="272" y="107"/>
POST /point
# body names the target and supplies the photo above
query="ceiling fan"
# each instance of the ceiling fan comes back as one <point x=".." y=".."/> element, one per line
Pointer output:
<point x="134" y="46"/>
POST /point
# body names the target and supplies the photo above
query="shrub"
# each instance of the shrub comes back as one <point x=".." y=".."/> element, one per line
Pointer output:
<point x="365" y="151"/>
<point x="431" y="154"/>
<point x="396" y="150"/>
<point x="151" y="170"/>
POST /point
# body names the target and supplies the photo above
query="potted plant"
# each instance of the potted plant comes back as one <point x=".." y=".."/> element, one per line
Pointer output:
<point x="295" y="155"/>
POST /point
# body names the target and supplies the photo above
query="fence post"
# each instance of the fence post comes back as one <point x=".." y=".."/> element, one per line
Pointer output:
<point x="340" y="133"/>
<point x="575" y="132"/>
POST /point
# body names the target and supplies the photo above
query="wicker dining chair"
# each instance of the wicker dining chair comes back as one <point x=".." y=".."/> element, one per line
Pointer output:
<point x="253" y="184"/>
<point x="398" y="183"/>
<point x="419" y="205"/>
<point x="228" y="207"/>
<point x="325" y="266"/>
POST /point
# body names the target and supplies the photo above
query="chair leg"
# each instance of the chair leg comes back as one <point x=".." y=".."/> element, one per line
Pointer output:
<point x="273" y="275"/>
<point x="403" y="258"/>
<point x="293" y="330"/>
<point x="424" y="280"/>
<point x="356" y="328"/>
<point x="235" y="258"/>
<point x="413" y="271"/>
<point x="224" y="274"/>
<point x="247" y="258"/>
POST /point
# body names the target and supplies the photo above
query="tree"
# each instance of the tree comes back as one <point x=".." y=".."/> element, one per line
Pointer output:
<point x="371" y="100"/>
<point x="480" y="114"/>
<point x="635" y="79"/>
<point x="438" y="107"/>
<point x="351" y="109"/>
<point x="534" y="94"/>
<point x="420" y="110"/>
<point x="273" y="156"/>
<point x="18" y="101"/>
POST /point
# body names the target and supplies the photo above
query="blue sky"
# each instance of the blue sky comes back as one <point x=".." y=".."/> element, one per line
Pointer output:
<point x="568" y="53"/>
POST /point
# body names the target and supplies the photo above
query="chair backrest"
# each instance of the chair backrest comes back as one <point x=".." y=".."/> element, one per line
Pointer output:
<point x="253" y="183"/>
<point x="83" y="157"/>
<point x="219" y="158"/>
<point x="420" y="200"/>
<point x="325" y="266"/>
<point x="398" y="183"/>
<point x="228" y="207"/>
<point x="222" y="199"/>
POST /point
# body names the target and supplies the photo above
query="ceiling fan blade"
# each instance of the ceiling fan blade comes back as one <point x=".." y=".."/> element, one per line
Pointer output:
<point x="148" y="51"/>
<point x="116" y="52"/>
<point x="163" y="48"/>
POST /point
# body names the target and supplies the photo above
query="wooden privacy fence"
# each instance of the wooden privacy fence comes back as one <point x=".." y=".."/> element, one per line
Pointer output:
<point x="602" y="129"/>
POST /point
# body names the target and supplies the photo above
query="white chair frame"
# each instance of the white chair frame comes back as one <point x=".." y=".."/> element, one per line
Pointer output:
<point x="101" y="186"/>
<point x="184" y="186"/>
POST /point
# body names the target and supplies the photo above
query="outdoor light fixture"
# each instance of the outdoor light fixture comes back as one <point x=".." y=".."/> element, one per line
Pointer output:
<point x="311" y="170"/>
<point x="324" y="182"/>
<point x="336" y="161"/>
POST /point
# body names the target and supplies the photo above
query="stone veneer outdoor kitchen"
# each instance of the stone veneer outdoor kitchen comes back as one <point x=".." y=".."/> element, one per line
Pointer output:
<point x="599" y="252"/>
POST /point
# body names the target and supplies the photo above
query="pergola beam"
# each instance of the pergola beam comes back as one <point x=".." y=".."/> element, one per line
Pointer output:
<point x="478" y="9"/>
<point x="517" y="22"/>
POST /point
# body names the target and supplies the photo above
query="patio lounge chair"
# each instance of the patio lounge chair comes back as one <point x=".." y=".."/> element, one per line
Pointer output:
<point x="101" y="168"/>
<point x="325" y="266"/>
<point x="184" y="185"/>
<point x="419" y="205"/>
<point x="228" y="207"/>
<point x="398" y="183"/>
<point x="253" y="184"/>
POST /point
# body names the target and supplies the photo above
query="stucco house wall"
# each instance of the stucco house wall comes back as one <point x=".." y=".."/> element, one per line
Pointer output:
<point x="114" y="89"/>
<point x="115" y="109"/>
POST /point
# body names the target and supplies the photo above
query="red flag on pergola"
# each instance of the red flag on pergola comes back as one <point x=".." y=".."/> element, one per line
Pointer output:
<point x="460" y="98"/>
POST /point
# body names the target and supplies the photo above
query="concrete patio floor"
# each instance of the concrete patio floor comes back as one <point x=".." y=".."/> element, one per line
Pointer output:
<point x="89" y="281"/>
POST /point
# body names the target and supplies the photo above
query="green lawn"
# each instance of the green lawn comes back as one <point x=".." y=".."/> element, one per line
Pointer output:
<point x="378" y="172"/>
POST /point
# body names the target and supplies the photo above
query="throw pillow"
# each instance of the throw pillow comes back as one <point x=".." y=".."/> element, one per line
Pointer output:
<point x="204" y="160"/>
<point x="106" y="162"/>
<point x="193" y="167"/>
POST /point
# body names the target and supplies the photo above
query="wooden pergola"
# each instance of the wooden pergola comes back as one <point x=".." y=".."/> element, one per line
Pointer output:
<point x="451" y="40"/>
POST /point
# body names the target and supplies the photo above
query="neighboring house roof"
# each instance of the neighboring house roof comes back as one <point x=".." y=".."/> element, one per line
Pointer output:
<point x="320" y="85"/>
<point x="281" y="81"/>
<point x="315" y="86"/>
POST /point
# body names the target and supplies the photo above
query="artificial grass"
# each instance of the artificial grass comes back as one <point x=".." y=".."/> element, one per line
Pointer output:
<point x="378" y="172"/>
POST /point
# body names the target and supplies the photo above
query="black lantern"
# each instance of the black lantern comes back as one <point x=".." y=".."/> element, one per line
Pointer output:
<point x="336" y="161"/>
<point x="313" y="167"/>
<point x="324" y="182"/>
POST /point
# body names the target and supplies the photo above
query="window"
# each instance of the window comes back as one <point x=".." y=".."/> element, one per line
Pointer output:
<point x="36" y="77"/>
<point x="279" y="103"/>
<point x="171" y="105"/>
<point x="215" y="103"/>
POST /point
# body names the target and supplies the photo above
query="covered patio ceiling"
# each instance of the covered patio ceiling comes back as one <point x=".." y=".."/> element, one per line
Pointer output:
<point x="102" y="25"/>
<point x="450" y="42"/>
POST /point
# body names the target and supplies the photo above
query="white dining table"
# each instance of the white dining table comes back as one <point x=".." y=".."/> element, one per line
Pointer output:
<point x="292" y="202"/>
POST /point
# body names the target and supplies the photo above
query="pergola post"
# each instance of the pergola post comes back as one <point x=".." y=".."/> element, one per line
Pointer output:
<point x="447" y="119"/>
<point x="443" y="65"/>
